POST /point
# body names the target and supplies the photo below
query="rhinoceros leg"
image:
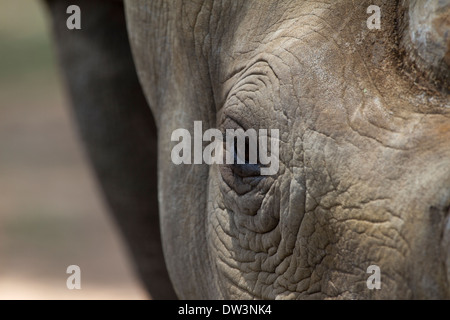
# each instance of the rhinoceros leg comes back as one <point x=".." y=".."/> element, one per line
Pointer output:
<point x="116" y="125"/>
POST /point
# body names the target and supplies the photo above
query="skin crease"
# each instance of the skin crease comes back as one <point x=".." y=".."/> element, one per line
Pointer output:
<point x="364" y="122"/>
<point x="364" y="173"/>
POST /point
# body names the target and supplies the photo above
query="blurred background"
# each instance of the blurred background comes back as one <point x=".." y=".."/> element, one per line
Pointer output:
<point x="52" y="214"/>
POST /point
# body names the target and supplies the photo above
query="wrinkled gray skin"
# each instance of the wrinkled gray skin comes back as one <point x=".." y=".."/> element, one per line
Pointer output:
<point x="364" y="120"/>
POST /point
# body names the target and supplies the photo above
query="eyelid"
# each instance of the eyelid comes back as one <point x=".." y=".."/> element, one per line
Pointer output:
<point x="240" y="171"/>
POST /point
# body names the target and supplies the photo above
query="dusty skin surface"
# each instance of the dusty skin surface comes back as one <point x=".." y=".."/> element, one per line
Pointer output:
<point x="51" y="211"/>
<point x="364" y="120"/>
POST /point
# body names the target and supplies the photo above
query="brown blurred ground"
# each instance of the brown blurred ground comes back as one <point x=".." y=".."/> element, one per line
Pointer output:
<point x="51" y="212"/>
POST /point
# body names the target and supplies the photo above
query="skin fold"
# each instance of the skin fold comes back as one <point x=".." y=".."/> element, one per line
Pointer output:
<point x="364" y="145"/>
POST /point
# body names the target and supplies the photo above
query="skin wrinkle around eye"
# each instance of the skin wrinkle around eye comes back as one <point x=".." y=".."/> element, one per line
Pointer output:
<point x="252" y="217"/>
<point x="240" y="99"/>
<point x="243" y="73"/>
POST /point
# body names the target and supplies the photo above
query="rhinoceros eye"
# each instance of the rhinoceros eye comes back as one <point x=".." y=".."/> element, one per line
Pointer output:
<point x="241" y="170"/>
<point x="245" y="167"/>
